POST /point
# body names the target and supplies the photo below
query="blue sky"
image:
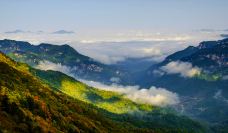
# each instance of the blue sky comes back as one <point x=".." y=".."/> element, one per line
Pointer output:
<point x="113" y="15"/>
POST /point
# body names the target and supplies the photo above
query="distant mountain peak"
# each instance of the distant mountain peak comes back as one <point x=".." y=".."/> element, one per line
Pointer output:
<point x="64" y="47"/>
<point x="63" y="32"/>
<point x="14" y="32"/>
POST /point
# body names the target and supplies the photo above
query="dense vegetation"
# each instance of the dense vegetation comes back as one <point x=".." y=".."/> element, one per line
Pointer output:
<point x="110" y="101"/>
<point x="28" y="105"/>
<point x="140" y="115"/>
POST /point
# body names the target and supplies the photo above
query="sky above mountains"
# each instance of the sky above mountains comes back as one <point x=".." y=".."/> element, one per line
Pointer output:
<point x="157" y="27"/>
<point x="99" y="16"/>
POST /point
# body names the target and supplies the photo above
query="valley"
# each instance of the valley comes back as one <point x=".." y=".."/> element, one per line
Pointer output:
<point x="199" y="104"/>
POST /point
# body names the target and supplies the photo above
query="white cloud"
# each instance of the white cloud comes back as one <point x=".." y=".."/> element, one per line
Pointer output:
<point x="47" y="65"/>
<point x="185" y="69"/>
<point x="158" y="72"/>
<point x="110" y="48"/>
<point x="105" y="52"/>
<point x="113" y="52"/>
<point x="153" y="96"/>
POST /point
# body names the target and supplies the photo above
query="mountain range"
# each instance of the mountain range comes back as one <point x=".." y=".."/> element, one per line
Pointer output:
<point x="33" y="100"/>
<point x="79" y="65"/>
<point x="197" y="74"/>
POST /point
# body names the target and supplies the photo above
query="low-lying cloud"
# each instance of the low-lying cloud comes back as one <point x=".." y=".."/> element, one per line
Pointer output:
<point x="114" y="47"/>
<point x="153" y="95"/>
<point x="185" y="69"/>
<point x="47" y="65"/>
<point x="113" y="52"/>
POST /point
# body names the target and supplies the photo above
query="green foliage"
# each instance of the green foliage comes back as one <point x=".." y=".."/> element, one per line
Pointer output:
<point x="209" y="77"/>
<point x="119" y="108"/>
<point x="26" y="105"/>
<point x="63" y="54"/>
<point x="110" y="101"/>
<point x="29" y="105"/>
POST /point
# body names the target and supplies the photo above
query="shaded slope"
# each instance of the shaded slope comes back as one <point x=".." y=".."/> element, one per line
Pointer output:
<point x="204" y="96"/>
<point x="82" y="66"/>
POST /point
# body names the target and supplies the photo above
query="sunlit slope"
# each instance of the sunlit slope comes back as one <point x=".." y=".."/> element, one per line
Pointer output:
<point x="121" y="108"/>
<point x="110" y="101"/>
<point x="27" y="105"/>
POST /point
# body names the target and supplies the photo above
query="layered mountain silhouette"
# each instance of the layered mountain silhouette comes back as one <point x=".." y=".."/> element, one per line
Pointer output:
<point x="197" y="74"/>
<point x="80" y="65"/>
<point x="40" y="101"/>
<point x="204" y="94"/>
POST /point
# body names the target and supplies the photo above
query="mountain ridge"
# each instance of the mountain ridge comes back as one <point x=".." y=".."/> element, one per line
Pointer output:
<point x="198" y="92"/>
<point x="87" y="67"/>
<point x="44" y="110"/>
